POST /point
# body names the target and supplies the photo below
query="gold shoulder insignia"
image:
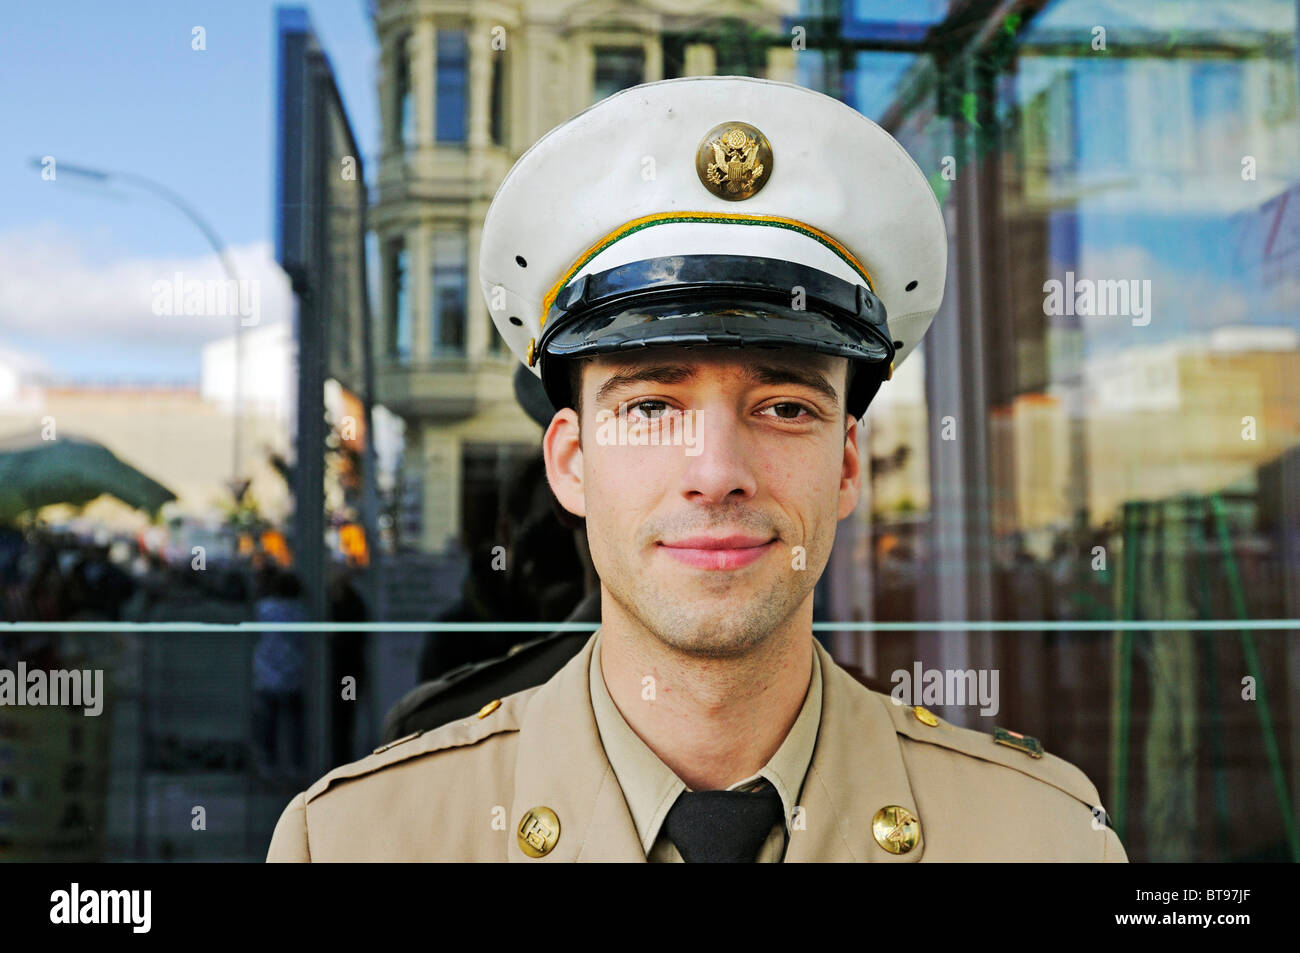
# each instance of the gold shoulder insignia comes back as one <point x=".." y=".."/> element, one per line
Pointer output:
<point x="1030" y="757"/>
<point x="1014" y="739"/>
<point x="455" y="734"/>
<point x="413" y="735"/>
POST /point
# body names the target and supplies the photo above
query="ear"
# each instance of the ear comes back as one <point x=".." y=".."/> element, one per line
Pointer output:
<point x="562" y="450"/>
<point x="851" y="471"/>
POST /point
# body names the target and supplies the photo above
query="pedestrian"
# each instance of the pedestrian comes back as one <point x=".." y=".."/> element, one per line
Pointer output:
<point x="278" y="662"/>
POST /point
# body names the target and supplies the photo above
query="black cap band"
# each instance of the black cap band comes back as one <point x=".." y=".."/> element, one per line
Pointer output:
<point x="718" y="300"/>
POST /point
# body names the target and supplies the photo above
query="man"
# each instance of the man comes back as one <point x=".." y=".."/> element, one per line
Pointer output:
<point x="712" y="277"/>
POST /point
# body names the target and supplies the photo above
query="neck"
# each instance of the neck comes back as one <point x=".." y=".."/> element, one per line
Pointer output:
<point x="713" y="721"/>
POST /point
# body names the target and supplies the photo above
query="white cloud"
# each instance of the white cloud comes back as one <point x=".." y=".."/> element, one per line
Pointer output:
<point x="1184" y="301"/>
<point x="24" y="363"/>
<point x="50" y="290"/>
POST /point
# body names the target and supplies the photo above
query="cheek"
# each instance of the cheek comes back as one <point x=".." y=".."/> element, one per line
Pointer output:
<point x="805" y="475"/>
<point x="621" y="485"/>
<point x="806" y="485"/>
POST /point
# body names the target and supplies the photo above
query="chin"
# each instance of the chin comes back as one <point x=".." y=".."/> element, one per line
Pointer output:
<point x="715" y="632"/>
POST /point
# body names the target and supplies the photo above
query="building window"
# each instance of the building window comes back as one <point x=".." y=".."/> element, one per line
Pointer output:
<point x="396" y="279"/>
<point x="449" y="287"/>
<point x="403" y="95"/>
<point x="818" y="70"/>
<point x="498" y="99"/>
<point x="617" y="67"/>
<point x="673" y="55"/>
<point x="452" y="85"/>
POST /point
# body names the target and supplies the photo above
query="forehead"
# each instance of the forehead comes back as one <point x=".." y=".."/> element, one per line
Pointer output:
<point x="693" y="361"/>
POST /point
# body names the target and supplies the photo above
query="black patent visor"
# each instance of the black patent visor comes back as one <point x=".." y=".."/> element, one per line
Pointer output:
<point x="729" y="300"/>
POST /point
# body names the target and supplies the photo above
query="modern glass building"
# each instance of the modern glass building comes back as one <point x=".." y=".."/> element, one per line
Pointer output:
<point x="1087" y="481"/>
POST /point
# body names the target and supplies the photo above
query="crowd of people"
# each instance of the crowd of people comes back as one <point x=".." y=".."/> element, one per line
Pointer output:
<point x="50" y="576"/>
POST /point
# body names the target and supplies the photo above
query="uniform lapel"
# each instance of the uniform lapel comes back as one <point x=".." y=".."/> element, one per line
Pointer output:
<point x="562" y="765"/>
<point x="857" y="768"/>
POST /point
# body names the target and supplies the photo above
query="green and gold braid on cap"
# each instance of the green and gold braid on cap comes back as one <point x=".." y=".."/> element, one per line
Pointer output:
<point x="665" y="218"/>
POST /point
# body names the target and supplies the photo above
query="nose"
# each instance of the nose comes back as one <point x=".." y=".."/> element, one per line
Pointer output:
<point x="722" y="468"/>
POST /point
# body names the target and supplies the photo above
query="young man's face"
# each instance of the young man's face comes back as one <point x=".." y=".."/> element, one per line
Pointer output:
<point x="714" y="443"/>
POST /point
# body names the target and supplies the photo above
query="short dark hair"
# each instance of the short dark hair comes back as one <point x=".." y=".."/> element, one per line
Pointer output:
<point x="574" y="366"/>
<point x="848" y="386"/>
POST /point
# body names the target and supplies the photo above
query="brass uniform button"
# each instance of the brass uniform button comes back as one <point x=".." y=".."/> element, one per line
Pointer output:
<point x="896" y="829"/>
<point x="925" y="716"/>
<point x="489" y="708"/>
<point x="532" y="343"/>
<point x="734" y="161"/>
<point x="538" y="832"/>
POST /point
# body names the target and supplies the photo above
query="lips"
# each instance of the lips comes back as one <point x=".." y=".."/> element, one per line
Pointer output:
<point x="734" y="541"/>
<point x="718" y="552"/>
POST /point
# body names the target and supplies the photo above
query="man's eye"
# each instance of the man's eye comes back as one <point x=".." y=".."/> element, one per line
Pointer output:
<point x="650" y="409"/>
<point x="792" y="410"/>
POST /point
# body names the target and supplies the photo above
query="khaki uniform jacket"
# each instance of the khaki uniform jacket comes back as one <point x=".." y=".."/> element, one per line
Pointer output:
<point x="459" y="792"/>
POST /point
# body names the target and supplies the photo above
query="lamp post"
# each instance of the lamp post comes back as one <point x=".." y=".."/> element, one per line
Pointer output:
<point x="238" y="484"/>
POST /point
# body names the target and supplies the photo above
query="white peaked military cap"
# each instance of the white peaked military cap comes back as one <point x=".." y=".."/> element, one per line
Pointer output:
<point x="714" y="210"/>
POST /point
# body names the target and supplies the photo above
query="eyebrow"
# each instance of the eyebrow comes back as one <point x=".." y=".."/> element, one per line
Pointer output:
<point x="766" y="374"/>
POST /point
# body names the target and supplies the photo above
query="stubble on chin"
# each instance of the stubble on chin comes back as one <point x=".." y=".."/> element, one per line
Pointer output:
<point x="712" y="626"/>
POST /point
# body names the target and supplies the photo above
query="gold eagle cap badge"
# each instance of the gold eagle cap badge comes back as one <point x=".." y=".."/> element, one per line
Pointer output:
<point x="734" y="161"/>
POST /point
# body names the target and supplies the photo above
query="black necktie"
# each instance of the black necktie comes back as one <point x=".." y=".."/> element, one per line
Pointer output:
<point x="723" y="827"/>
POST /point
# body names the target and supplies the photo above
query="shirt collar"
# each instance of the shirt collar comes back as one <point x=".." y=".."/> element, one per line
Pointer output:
<point x="650" y="787"/>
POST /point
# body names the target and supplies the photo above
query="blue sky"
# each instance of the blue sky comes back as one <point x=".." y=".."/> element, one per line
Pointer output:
<point x="90" y="83"/>
<point x="118" y="86"/>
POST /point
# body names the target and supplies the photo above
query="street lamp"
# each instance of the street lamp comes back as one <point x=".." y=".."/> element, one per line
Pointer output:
<point x="237" y="484"/>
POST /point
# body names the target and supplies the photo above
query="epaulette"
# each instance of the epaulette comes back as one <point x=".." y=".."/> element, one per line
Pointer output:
<point x="461" y="692"/>
<point x="1008" y="748"/>
<point x="494" y="718"/>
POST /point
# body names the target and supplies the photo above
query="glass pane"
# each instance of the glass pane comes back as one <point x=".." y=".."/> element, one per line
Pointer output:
<point x="617" y="68"/>
<point x="400" y="296"/>
<point x="449" y="291"/>
<point x="451" y="85"/>
<point x="404" y="94"/>
<point x="449" y="309"/>
<point x="1125" y="441"/>
<point x="498" y="106"/>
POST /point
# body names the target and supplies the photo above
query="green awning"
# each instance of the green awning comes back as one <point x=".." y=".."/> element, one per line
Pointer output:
<point x="36" y="473"/>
